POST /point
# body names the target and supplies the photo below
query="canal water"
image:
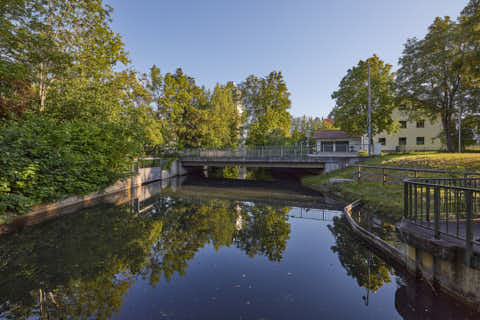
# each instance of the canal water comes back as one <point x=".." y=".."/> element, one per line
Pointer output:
<point x="195" y="251"/>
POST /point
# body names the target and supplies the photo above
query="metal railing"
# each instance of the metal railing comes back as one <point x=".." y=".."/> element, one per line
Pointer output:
<point x="295" y="152"/>
<point x="395" y="175"/>
<point x="447" y="206"/>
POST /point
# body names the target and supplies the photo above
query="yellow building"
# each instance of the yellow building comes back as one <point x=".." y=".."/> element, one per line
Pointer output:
<point x="412" y="135"/>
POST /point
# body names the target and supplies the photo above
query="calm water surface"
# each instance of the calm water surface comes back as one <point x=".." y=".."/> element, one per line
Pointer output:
<point x="177" y="256"/>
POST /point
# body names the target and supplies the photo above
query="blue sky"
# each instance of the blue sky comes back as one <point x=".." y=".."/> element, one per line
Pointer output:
<point x="313" y="42"/>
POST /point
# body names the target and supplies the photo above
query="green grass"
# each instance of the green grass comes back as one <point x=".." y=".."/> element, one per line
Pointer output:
<point x="387" y="199"/>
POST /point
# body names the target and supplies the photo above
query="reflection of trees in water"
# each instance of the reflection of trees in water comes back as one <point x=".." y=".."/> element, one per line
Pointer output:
<point x="370" y="271"/>
<point x="414" y="299"/>
<point x="77" y="265"/>
<point x="266" y="232"/>
<point x="82" y="265"/>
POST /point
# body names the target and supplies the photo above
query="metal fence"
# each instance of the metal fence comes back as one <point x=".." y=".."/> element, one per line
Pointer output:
<point x="295" y="152"/>
<point x="150" y="162"/>
<point x="446" y="206"/>
<point x="393" y="175"/>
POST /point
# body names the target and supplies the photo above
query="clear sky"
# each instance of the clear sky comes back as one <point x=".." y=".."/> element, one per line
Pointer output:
<point x="312" y="42"/>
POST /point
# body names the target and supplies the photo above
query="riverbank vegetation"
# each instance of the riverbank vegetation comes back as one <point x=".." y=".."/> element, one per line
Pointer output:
<point x="74" y="114"/>
<point x="387" y="199"/>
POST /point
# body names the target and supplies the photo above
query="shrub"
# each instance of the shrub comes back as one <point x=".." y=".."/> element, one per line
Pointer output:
<point x="43" y="160"/>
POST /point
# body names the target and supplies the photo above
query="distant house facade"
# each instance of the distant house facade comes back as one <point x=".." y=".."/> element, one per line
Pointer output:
<point x="336" y="141"/>
<point x="412" y="135"/>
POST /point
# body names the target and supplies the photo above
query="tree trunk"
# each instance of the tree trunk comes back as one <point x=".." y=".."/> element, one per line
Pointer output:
<point x="447" y="129"/>
<point x="42" y="90"/>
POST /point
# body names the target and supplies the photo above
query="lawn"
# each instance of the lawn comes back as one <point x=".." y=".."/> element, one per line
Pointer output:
<point x="387" y="199"/>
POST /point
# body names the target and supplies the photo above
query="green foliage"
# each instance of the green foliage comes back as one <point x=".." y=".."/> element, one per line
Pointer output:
<point x="58" y="41"/>
<point x="43" y="160"/>
<point x="267" y="102"/>
<point x="74" y="119"/>
<point x="470" y="29"/>
<point x="351" y="98"/>
<point x="435" y="79"/>
<point x="225" y="119"/>
<point x="303" y="129"/>
<point x="167" y="163"/>
<point x="230" y="172"/>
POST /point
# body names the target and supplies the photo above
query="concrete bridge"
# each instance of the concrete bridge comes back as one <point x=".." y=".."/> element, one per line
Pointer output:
<point x="271" y="157"/>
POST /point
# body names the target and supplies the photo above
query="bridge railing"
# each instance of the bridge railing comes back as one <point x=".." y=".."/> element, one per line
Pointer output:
<point x="446" y="206"/>
<point x="295" y="152"/>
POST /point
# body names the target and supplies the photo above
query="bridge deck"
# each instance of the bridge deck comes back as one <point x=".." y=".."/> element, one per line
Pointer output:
<point x="317" y="162"/>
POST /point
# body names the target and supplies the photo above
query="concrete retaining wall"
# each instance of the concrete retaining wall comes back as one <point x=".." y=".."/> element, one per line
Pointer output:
<point x="451" y="276"/>
<point x="118" y="193"/>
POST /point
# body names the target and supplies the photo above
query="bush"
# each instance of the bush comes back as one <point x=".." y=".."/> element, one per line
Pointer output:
<point x="43" y="160"/>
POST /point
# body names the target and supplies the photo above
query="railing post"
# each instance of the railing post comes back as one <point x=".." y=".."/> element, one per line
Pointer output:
<point x="384" y="176"/>
<point x="405" y="199"/>
<point x="427" y="200"/>
<point x="468" y="227"/>
<point x="410" y="201"/>
<point x="358" y="174"/>
<point x="436" y="208"/>
<point x="416" y="202"/>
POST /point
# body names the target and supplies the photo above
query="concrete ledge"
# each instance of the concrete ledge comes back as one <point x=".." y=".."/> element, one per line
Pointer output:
<point x="118" y="193"/>
<point x="448" y="275"/>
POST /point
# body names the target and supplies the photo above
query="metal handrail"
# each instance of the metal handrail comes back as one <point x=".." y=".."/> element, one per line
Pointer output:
<point x="418" y="170"/>
<point x="447" y="209"/>
<point x="270" y="152"/>
<point x="419" y="181"/>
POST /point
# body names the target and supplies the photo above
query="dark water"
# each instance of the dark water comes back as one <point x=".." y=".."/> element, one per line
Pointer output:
<point x="184" y="257"/>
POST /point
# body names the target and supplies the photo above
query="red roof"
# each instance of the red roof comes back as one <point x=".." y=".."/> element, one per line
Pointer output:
<point x="329" y="120"/>
<point x="333" y="135"/>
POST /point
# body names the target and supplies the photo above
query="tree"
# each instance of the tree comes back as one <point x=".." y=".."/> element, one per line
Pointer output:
<point x="304" y="127"/>
<point x="433" y="80"/>
<point x="351" y="98"/>
<point x="470" y="28"/>
<point x="225" y="119"/>
<point x="267" y="102"/>
<point x="56" y="40"/>
<point x="15" y="88"/>
<point x="183" y="106"/>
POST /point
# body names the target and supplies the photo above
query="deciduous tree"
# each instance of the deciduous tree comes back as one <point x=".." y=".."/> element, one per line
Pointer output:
<point x="433" y="80"/>
<point x="266" y="101"/>
<point x="351" y="98"/>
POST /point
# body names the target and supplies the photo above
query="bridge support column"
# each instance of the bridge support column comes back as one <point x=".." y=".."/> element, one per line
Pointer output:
<point x="242" y="172"/>
<point x="330" y="166"/>
<point x="205" y="171"/>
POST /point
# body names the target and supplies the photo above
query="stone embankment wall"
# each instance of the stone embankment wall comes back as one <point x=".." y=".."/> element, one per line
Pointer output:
<point x="118" y="193"/>
<point x="438" y="262"/>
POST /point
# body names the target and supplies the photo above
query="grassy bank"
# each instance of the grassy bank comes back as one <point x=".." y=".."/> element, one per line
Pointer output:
<point x="387" y="199"/>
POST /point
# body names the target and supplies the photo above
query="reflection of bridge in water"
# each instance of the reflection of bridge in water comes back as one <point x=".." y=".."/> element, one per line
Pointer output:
<point x="314" y="214"/>
<point x="146" y="202"/>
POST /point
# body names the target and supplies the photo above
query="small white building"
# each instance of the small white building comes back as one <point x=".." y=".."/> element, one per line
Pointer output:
<point x="336" y="141"/>
<point x="339" y="141"/>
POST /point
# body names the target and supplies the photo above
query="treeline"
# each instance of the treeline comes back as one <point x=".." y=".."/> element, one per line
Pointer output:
<point x="74" y="115"/>
<point x="438" y="79"/>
